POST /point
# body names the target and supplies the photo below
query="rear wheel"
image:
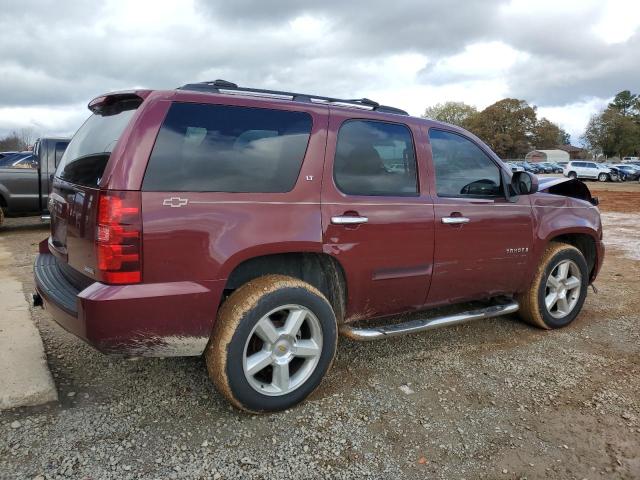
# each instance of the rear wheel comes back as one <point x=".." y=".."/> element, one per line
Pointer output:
<point x="273" y="342"/>
<point x="559" y="288"/>
<point x="572" y="175"/>
<point x="603" y="177"/>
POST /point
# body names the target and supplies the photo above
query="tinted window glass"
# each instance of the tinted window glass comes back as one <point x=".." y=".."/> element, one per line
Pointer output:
<point x="462" y="168"/>
<point x="59" y="149"/>
<point x="86" y="156"/>
<point x="375" y="158"/>
<point x="217" y="148"/>
<point x="27" y="161"/>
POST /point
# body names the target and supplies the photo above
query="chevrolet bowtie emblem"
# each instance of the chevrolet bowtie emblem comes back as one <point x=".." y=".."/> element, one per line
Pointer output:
<point x="175" y="202"/>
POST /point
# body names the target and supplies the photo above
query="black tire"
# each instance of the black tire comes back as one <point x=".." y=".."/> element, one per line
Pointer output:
<point x="533" y="308"/>
<point x="603" y="177"/>
<point x="234" y="330"/>
<point x="1" y="217"/>
<point x="572" y="175"/>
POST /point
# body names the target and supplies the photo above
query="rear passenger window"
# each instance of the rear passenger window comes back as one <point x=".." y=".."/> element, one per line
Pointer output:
<point x="462" y="168"/>
<point x="375" y="158"/>
<point x="219" y="148"/>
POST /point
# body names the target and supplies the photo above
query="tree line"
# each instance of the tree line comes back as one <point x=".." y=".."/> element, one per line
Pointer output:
<point x="18" y="140"/>
<point x="510" y="126"/>
<point x="616" y="130"/>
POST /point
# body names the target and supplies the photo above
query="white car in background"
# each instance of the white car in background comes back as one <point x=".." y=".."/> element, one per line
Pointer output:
<point x="586" y="169"/>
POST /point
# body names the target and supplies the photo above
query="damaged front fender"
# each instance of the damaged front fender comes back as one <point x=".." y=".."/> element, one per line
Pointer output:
<point x="567" y="187"/>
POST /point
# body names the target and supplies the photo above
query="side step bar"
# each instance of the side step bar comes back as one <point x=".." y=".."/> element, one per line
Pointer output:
<point x="420" y="325"/>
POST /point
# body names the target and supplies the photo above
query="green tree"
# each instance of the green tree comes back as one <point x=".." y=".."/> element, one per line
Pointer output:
<point x="507" y="127"/>
<point x="547" y="134"/>
<point x="626" y="103"/>
<point x="613" y="132"/>
<point x="17" y="140"/>
<point x="455" y="113"/>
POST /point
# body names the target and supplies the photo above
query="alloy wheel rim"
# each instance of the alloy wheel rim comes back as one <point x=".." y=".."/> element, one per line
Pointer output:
<point x="283" y="350"/>
<point x="562" y="290"/>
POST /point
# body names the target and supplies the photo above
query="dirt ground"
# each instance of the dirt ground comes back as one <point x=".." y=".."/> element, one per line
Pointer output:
<point x="495" y="399"/>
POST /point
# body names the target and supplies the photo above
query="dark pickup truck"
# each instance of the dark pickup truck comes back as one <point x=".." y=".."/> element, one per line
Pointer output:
<point x="25" y="184"/>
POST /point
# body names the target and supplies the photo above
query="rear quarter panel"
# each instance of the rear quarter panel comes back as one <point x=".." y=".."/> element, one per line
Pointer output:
<point x="211" y="233"/>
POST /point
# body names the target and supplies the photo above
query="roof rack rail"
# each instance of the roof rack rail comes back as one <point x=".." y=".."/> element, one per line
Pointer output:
<point x="223" y="86"/>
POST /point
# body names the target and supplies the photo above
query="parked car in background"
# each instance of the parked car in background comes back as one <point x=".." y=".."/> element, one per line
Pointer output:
<point x="589" y="170"/>
<point x="630" y="171"/>
<point x="17" y="160"/>
<point x="4" y="154"/>
<point x="633" y="163"/>
<point x="533" y="167"/>
<point x="6" y="158"/>
<point x="515" y="167"/>
<point x="617" y="175"/>
<point x="172" y="233"/>
<point x="545" y="167"/>
<point x="527" y="167"/>
<point x="631" y="159"/>
<point x="555" y="168"/>
<point x="25" y="178"/>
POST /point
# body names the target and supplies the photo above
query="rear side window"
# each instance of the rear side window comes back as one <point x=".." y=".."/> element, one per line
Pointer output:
<point x="462" y="168"/>
<point x="85" y="158"/>
<point x="219" y="148"/>
<point x="375" y="158"/>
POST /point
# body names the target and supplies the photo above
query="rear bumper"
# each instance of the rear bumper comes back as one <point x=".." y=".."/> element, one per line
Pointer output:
<point x="158" y="319"/>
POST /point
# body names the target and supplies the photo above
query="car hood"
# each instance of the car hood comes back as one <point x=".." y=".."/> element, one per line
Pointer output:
<point x="546" y="183"/>
<point x="567" y="187"/>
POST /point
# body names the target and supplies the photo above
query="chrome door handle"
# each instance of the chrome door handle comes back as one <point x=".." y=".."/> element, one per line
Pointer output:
<point x="454" y="220"/>
<point x="348" y="220"/>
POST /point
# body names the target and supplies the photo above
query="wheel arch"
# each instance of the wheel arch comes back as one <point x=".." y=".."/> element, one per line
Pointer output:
<point x="318" y="269"/>
<point x="4" y="196"/>
<point x="583" y="241"/>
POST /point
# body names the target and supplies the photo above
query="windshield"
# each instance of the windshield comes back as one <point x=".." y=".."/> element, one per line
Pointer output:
<point x="86" y="157"/>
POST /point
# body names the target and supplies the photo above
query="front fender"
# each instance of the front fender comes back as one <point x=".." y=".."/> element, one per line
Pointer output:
<point x="555" y="216"/>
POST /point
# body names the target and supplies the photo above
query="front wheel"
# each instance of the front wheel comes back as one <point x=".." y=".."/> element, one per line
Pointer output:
<point x="274" y="340"/>
<point x="572" y="175"/>
<point x="603" y="177"/>
<point x="559" y="288"/>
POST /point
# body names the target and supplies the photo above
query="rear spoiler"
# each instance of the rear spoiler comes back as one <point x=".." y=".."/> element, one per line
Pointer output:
<point x="116" y="102"/>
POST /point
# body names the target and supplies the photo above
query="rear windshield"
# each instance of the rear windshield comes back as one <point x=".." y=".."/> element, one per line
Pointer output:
<point x="218" y="148"/>
<point x="86" y="156"/>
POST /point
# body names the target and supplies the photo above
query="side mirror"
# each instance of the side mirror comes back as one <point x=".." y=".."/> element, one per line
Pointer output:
<point x="524" y="183"/>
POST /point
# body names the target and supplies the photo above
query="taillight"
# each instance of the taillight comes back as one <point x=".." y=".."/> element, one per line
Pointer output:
<point x="119" y="237"/>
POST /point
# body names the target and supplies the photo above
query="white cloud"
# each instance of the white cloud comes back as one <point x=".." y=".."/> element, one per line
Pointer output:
<point x="52" y="121"/>
<point x="567" y="57"/>
<point x="619" y="21"/>
<point x="573" y="118"/>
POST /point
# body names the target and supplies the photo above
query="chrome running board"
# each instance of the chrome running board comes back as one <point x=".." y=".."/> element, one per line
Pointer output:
<point x="420" y="325"/>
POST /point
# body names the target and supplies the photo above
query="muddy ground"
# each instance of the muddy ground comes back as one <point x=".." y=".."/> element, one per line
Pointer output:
<point x="495" y="399"/>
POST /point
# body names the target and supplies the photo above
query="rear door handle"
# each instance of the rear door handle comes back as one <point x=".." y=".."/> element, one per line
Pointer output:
<point x="454" y="220"/>
<point x="348" y="220"/>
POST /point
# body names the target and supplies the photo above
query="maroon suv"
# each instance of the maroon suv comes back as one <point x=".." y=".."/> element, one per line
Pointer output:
<point x="253" y="225"/>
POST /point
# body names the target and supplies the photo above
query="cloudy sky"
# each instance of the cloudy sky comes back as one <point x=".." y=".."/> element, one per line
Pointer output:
<point x="567" y="57"/>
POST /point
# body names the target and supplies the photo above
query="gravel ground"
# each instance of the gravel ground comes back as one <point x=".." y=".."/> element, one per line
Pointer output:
<point x="493" y="399"/>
